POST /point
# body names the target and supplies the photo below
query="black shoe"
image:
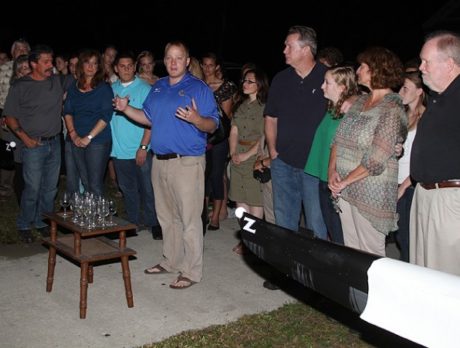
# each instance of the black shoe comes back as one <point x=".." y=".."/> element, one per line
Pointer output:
<point x="270" y="286"/>
<point x="26" y="236"/>
<point x="44" y="231"/>
<point x="157" y="233"/>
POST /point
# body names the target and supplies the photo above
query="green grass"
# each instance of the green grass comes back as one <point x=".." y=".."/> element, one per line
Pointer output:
<point x="293" y="325"/>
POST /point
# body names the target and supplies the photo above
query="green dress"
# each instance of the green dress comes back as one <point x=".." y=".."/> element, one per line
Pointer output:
<point x="250" y="123"/>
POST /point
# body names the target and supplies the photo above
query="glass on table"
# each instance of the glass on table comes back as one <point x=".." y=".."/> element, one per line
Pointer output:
<point x="65" y="202"/>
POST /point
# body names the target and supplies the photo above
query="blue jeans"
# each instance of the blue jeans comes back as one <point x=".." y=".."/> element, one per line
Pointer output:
<point x="292" y="187"/>
<point x="402" y="235"/>
<point x="72" y="181"/>
<point x="136" y="184"/>
<point x="40" y="170"/>
<point x="91" y="163"/>
<point x="330" y="216"/>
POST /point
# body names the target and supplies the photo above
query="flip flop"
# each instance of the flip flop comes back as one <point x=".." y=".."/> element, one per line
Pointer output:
<point x="187" y="281"/>
<point x="157" y="269"/>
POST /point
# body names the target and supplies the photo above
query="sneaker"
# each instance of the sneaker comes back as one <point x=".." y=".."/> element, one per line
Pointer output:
<point x="44" y="231"/>
<point x="26" y="236"/>
<point x="157" y="233"/>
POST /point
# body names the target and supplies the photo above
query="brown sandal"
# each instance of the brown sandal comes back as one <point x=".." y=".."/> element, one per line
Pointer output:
<point x="157" y="269"/>
<point x="185" y="281"/>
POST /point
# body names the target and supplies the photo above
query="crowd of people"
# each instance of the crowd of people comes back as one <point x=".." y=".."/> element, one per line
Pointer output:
<point x="355" y="152"/>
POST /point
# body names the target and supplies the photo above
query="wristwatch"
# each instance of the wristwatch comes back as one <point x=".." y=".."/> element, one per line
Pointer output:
<point x="90" y="137"/>
<point x="143" y="147"/>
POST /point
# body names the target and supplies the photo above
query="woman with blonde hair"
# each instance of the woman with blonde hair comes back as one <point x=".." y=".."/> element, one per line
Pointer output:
<point x="339" y="85"/>
<point x="145" y="64"/>
<point x="413" y="98"/>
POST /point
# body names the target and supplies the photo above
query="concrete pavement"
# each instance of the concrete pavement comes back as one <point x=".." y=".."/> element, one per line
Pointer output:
<point x="31" y="317"/>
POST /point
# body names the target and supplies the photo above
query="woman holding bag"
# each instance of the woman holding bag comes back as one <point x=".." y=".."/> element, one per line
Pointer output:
<point x="246" y="135"/>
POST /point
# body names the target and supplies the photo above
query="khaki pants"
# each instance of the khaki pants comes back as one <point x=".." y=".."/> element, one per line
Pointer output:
<point x="435" y="229"/>
<point x="179" y="190"/>
<point x="358" y="232"/>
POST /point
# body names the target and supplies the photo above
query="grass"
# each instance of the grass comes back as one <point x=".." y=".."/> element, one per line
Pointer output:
<point x="313" y="321"/>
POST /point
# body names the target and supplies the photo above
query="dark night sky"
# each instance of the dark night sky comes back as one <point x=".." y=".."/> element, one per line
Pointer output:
<point x="236" y="30"/>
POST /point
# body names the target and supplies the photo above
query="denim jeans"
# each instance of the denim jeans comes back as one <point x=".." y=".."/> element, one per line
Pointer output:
<point x="292" y="187"/>
<point x="136" y="184"/>
<point x="40" y="170"/>
<point x="72" y="181"/>
<point x="330" y="216"/>
<point x="91" y="163"/>
<point x="402" y="235"/>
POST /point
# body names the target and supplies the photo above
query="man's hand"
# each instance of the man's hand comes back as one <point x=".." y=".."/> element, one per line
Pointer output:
<point x="120" y="103"/>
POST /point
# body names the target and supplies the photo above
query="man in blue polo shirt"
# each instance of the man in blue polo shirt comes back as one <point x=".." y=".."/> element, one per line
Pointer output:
<point x="181" y="109"/>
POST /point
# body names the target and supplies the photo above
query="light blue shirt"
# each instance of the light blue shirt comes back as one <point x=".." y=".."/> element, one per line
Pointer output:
<point x="126" y="133"/>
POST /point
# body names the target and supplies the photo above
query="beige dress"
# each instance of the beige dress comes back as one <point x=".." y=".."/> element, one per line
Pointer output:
<point x="250" y="123"/>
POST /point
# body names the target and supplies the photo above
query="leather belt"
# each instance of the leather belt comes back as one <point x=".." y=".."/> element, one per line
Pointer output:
<point x="441" y="184"/>
<point x="247" y="142"/>
<point x="168" y="156"/>
<point x="47" y="138"/>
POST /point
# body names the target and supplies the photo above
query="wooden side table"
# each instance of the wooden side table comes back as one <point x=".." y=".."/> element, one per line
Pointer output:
<point x="85" y="250"/>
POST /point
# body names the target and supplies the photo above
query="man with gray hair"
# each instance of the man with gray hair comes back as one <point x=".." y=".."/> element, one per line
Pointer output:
<point x="435" y="211"/>
<point x="294" y="109"/>
<point x="19" y="47"/>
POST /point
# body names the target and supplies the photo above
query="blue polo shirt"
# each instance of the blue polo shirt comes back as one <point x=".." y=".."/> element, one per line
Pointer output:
<point x="171" y="134"/>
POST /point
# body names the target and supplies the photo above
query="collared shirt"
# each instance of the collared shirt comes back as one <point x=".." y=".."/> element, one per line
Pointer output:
<point x="127" y="134"/>
<point x="171" y="134"/>
<point x="299" y="106"/>
<point x="436" y="145"/>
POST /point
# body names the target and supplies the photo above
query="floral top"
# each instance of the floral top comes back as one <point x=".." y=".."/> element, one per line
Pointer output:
<point x="368" y="138"/>
<point x="226" y="90"/>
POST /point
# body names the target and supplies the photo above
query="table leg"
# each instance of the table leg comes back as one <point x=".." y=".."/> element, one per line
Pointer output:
<point x="83" y="289"/>
<point x="53" y="234"/>
<point x="122" y="242"/>
<point x="90" y="274"/>
<point x="127" y="280"/>
<point x="51" y="266"/>
<point x="77" y="243"/>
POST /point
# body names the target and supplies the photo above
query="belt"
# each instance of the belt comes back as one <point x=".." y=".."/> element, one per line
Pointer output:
<point x="47" y="138"/>
<point x="247" y="142"/>
<point x="441" y="184"/>
<point x="168" y="156"/>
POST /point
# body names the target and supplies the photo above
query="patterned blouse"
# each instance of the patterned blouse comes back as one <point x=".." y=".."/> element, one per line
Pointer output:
<point x="368" y="138"/>
<point x="226" y="90"/>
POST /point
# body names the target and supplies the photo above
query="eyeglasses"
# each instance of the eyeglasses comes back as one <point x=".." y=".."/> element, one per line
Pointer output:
<point x="248" y="81"/>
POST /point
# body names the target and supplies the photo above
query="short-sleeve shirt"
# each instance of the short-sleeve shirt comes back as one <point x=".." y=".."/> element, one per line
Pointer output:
<point x="436" y="146"/>
<point x="318" y="159"/>
<point x="126" y="133"/>
<point x="299" y="105"/>
<point x="36" y="105"/>
<point x="171" y="134"/>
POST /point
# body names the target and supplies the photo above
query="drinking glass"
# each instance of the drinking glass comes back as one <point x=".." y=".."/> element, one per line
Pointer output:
<point x="65" y="202"/>
<point x="112" y="212"/>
